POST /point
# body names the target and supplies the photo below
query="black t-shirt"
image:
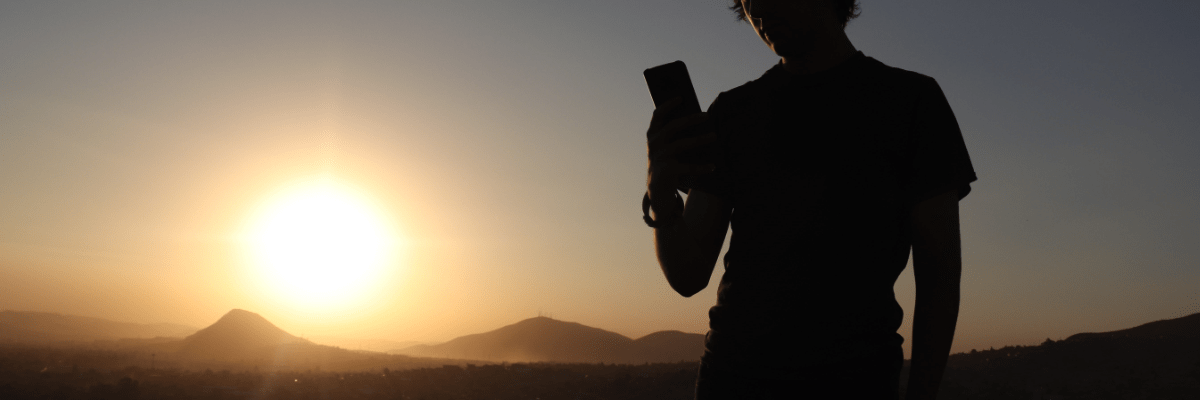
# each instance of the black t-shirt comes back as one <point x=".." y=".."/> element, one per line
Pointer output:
<point x="822" y="171"/>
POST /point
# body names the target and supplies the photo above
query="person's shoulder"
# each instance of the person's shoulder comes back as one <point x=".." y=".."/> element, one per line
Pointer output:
<point x="745" y="93"/>
<point x="895" y="76"/>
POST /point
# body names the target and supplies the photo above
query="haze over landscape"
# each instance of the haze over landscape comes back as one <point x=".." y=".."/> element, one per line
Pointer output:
<point x="472" y="165"/>
<point x="253" y="358"/>
<point x="242" y="337"/>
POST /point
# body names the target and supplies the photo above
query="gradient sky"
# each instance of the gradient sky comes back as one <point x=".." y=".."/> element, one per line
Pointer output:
<point x="505" y="142"/>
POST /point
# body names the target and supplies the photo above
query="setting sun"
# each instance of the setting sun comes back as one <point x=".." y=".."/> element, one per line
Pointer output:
<point x="320" y="243"/>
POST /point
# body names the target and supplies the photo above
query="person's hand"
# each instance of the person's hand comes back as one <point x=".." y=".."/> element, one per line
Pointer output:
<point x="663" y="144"/>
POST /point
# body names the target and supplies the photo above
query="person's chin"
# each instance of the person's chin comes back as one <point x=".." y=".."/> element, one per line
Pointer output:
<point x="789" y="48"/>
<point x="784" y="49"/>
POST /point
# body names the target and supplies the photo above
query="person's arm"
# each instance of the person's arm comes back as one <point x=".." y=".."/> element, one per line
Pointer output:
<point x="688" y="247"/>
<point x="937" y="270"/>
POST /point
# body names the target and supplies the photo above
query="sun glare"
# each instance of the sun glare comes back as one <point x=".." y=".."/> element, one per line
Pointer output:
<point x="320" y="243"/>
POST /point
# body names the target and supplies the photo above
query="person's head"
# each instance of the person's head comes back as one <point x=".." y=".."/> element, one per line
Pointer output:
<point x="844" y="10"/>
<point x="791" y="27"/>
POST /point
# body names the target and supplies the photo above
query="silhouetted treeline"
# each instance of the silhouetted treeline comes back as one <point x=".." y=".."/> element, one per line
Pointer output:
<point x="1104" y="368"/>
<point x="507" y="381"/>
<point x="1083" y="367"/>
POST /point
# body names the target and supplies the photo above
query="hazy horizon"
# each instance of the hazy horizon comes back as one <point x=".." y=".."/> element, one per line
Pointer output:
<point x="497" y="151"/>
<point x="535" y="327"/>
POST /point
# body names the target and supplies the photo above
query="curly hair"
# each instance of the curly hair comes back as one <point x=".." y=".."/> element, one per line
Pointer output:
<point x="846" y="10"/>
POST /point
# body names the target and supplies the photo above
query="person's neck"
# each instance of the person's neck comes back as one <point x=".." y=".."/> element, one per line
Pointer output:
<point x="832" y="50"/>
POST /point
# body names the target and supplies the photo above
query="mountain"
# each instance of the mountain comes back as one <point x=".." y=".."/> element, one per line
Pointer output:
<point x="543" y="339"/>
<point x="1159" y="359"/>
<point x="40" y="327"/>
<point x="243" y="339"/>
<point x="1184" y="327"/>
<point x="239" y="334"/>
<point x="669" y="346"/>
<point x="376" y="345"/>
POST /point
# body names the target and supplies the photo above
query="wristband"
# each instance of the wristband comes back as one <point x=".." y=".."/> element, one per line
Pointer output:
<point x="662" y="222"/>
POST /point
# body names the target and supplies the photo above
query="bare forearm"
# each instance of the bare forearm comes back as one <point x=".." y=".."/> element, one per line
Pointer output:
<point x="677" y="256"/>
<point x="937" y="271"/>
<point x="681" y="249"/>
<point x="934" y="320"/>
<point x="673" y="243"/>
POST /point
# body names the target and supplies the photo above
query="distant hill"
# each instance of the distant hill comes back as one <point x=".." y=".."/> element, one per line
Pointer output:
<point x="377" y="345"/>
<point x="1160" y="359"/>
<point x="1184" y="327"/>
<point x="239" y="334"/>
<point x="243" y="339"/>
<point x="669" y="346"/>
<point x="543" y="339"/>
<point x="41" y="327"/>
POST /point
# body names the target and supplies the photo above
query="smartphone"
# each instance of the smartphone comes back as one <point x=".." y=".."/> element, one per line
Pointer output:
<point x="669" y="81"/>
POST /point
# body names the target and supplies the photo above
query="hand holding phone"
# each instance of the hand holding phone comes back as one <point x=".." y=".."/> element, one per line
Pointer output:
<point x="669" y="82"/>
<point x="679" y="131"/>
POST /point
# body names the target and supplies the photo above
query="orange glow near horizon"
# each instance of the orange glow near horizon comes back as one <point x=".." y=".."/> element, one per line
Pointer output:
<point x="320" y="244"/>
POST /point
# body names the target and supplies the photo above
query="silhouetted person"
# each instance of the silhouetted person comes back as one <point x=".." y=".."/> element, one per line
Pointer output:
<point x="828" y="168"/>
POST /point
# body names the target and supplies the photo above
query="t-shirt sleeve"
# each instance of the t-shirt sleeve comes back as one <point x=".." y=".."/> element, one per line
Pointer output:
<point x="940" y="161"/>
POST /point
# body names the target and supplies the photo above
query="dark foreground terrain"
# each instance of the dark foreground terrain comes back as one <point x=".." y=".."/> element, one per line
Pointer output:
<point x="1029" y="372"/>
<point x="494" y="381"/>
<point x="244" y="356"/>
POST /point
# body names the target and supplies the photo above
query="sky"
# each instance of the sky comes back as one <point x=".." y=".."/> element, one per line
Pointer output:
<point x="502" y="145"/>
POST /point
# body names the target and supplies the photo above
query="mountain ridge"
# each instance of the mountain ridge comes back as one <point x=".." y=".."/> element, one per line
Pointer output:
<point x="238" y="334"/>
<point x="36" y="326"/>
<point x="670" y="346"/>
<point x="543" y="339"/>
<point x="1090" y="365"/>
<point x="1186" y="326"/>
